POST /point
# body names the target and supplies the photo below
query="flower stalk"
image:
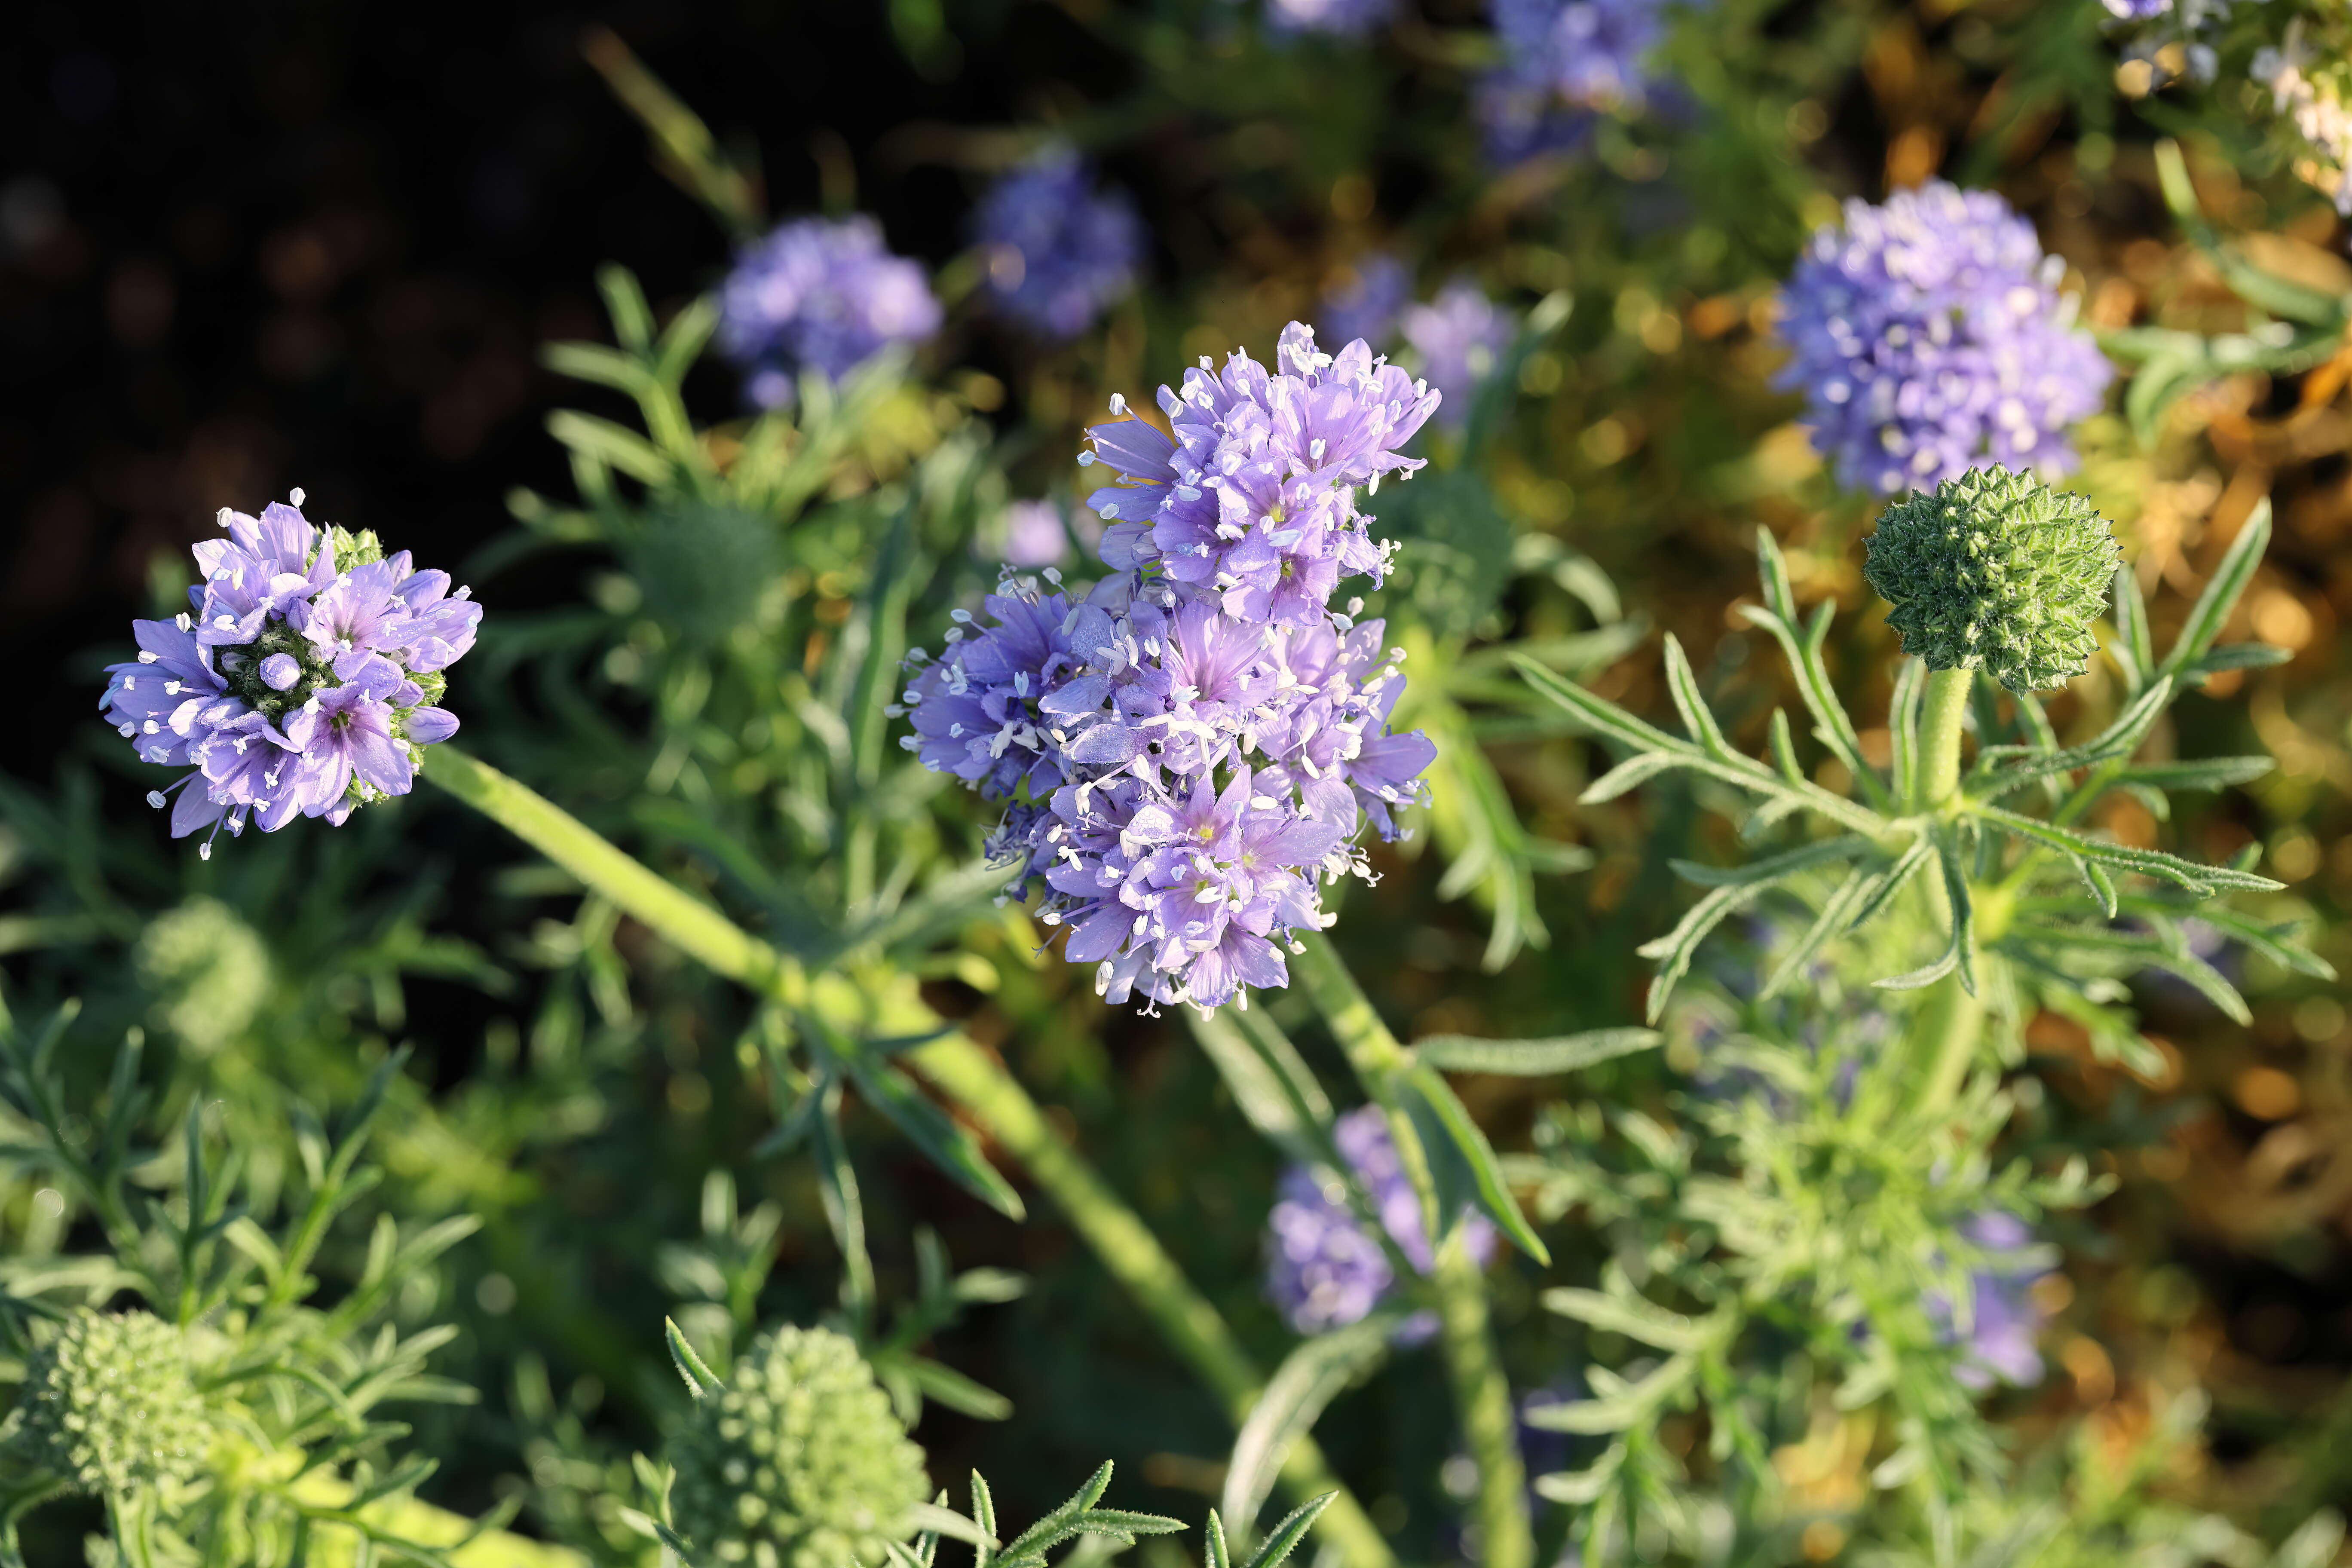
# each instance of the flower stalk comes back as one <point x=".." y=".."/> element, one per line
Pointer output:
<point x="971" y="1078"/>
<point x="1481" y="1394"/>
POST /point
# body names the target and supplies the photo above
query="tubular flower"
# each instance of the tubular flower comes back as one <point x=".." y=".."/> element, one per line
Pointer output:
<point x="304" y="681"/>
<point x="1057" y="254"/>
<point x="1996" y="572"/>
<point x="819" y="294"/>
<point x="1188" y="746"/>
<point x="797" y="1461"/>
<point x="1323" y="1271"/>
<point x="1930" y="339"/>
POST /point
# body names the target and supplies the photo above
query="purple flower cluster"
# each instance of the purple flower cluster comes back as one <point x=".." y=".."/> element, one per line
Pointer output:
<point x="2004" y="1319"/>
<point x="1593" y="54"/>
<point x="1057" y="254"/>
<point x="2138" y="10"/>
<point x="821" y="295"/>
<point x="1323" y="1269"/>
<point x="1564" y="61"/>
<point x="304" y="682"/>
<point x="1345" y="18"/>
<point x="1189" y="745"/>
<point x="1930" y="339"/>
<point x="1460" y="337"/>
<point x="1365" y="301"/>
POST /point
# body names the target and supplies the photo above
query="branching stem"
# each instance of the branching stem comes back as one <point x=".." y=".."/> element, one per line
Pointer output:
<point x="1481" y="1394"/>
<point x="973" y="1078"/>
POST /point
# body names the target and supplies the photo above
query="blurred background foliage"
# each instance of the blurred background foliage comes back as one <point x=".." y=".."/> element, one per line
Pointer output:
<point x="357" y="251"/>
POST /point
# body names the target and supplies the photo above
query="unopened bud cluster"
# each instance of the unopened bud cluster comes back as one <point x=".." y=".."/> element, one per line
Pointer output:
<point x="109" y="1404"/>
<point x="1997" y="571"/>
<point x="797" y="1462"/>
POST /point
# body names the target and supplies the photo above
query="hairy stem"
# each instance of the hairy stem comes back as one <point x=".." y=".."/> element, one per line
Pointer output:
<point x="1942" y="1037"/>
<point x="1940" y="714"/>
<point x="970" y="1077"/>
<point x="1482" y="1394"/>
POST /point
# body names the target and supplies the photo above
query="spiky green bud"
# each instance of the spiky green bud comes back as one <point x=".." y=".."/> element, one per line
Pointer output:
<point x="111" y="1405"/>
<point x="1995" y="572"/>
<point x="208" y="970"/>
<point x="799" y="1461"/>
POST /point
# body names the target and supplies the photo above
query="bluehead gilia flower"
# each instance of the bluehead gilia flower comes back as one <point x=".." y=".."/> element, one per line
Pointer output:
<point x="1460" y="337"/>
<point x="1187" y="746"/>
<point x="1930" y="339"/>
<point x="304" y="682"/>
<point x="818" y="294"/>
<point x="1345" y="18"/>
<point x="1364" y="302"/>
<point x="1057" y="253"/>
<point x="1593" y="54"/>
<point x="1322" y="1270"/>
<point x="2004" y="1319"/>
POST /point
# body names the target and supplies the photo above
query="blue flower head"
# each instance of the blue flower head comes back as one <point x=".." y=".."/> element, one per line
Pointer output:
<point x="1366" y="300"/>
<point x="1344" y="18"/>
<point x="1057" y="254"/>
<point x="1189" y="747"/>
<point x="1929" y="339"/>
<point x="818" y="294"/>
<point x="304" y="682"/>
<point x="1322" y="1270"/>
<point x="2004" y="1319"/>
<point x="1460" y="337"/>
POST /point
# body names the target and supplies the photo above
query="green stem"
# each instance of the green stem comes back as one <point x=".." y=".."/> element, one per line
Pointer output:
<point x="1939" y="737"/>
<point x="970" y="1075"/>
<point x="1942" y="1036"/>
<point x="1129" y="1250"/>
<point x="1481" y="1394"/>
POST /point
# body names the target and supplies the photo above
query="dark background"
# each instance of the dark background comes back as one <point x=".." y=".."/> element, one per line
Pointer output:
<point x="248" y="248"/>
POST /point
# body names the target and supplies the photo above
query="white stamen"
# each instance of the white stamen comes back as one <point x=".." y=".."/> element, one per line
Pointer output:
<point x="298" y="495"/>
<point x="146" y="657"/>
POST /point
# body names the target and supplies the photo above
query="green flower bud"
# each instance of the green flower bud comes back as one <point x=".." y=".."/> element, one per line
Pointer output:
<point x="111" y="1405"/>
<point x="798" y="1462"/>
<point x="206" y="970"/>
<point x="1995" y="572"/>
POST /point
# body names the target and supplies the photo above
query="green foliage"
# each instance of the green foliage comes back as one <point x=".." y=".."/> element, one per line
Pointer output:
<point x="2033" y="892"/>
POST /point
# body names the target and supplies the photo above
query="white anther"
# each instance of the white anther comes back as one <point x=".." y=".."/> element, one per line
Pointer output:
<point x="298" y="495"/>
<point x="146" y="657"/>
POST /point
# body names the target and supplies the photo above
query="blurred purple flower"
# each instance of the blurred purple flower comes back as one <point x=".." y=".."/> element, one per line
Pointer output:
<point x="1460" y="337"/>
<point x="1590" y="53"/>
<point x="2004" y="1319"/>
<point x="2138" y="10"/>
<point x="303" y="684"/>
<point x="1035" y="535"/>
<point x="1322" y="1269"/>
<point x="1057" y="254"/>
<point x="1930" y="339"/>
<point x="818" y="294"/>
<point x="1347" y="18"/>
<point x="1523" y="120"/>
<point x="1365" y="300"/>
